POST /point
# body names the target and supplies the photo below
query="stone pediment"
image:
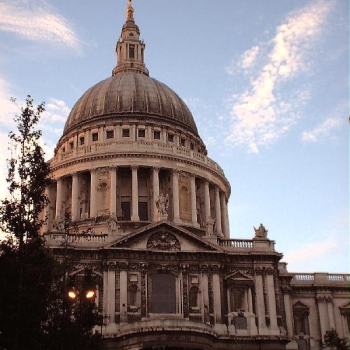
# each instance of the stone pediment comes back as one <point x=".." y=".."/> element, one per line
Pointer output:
<point x="300" y="305"/>
<point x="346" y="307"/>
<point x="238" y="276"/>
<point x="163" y="236"/>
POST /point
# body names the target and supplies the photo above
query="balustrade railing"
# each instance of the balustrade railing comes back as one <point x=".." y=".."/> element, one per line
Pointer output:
<point x="314" y="278"/>
<point x="236" y="243"/>
<point x="76" y="238"/>
<point x="140" y="146"/>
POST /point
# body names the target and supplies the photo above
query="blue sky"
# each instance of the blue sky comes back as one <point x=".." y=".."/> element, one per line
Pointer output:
<point x="266" y="81"/>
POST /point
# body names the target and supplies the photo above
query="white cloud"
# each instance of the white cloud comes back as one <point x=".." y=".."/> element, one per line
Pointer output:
<point x="56" y="111"/>
<point x="260" y="115"/>
<point x="247" y="60"/>
<point x="37" y="21"/>
<point x="311" y="251"/>
<point x="323" y="130"/>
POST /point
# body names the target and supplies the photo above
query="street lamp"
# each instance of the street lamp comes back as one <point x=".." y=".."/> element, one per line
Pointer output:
<point x="73" y="294"/>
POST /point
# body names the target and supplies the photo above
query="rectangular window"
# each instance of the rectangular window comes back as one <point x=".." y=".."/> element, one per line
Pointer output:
<point x="126" y="211"/>
<point x="192" y="146"/>
<point x="126" y="132"/>
<point x="95" y="136"/>
<point x="156" y="135"/>
<point x="82" y="140"/>
<point x="143" y="211"/>
<point x="142" y="132"/>
<point x="170" y="137"/>
<point x="131" y="51"/>
<point x="71" y="145"/>
<point x="182" y="142"/>
<point x="110" y="134"/>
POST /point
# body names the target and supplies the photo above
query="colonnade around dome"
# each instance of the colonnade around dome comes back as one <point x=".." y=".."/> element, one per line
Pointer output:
<point x="136" y="194"/>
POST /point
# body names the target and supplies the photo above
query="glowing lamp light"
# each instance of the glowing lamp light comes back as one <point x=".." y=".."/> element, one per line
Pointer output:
<point x="89" y="294"/>
<point x="72" y="294"/>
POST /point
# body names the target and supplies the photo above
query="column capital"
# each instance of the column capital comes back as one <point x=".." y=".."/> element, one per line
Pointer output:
<point x="156" y="168"/>
<point x="134" y="167"/>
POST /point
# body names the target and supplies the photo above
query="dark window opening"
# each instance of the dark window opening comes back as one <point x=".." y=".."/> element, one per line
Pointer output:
<point x="126" y="132"/>
<point x="170" y="137"/>
<point x="110" y="134"/>
<point x="126" y="211"/>
<point x="163" y="294"/>
<point x="71" y="145"/>
<point x="132" y="292"/>
<point x="95" y="136"/>
<point x="142" y="132"/>
<point x="131" y="51"/>
<point x="182" y="142"/>
<point x="143" y="211"/>
<point x="193" y="299"/>
<point x="82" y="140"/>
<point x="156" y="135"/>
<point x="192" y="146"/>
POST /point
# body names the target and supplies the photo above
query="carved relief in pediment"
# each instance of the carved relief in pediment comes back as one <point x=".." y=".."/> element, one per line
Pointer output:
<point x="163" y="241"/>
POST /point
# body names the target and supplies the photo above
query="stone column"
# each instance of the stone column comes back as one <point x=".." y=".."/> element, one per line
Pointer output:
<point x="218" y="212"/>
<point x="193" y="201"/>
<point x="250" y="300"/>
<point x="225" y="223"/>
<point x="93" y="193"/>
<point x="288" y="311"/>
<point x="206" y="200"/>
<point x="260" y="305"/>
<point x="272" y="302"/>
<point x="217" y="297"/>
<point x="113" y="192"/>
<point x="134" y="194"/>
<point x="330" y="313"/>
<point x="176" y="201"/>
<point x="155" y="179"/>
<point x="59" y="194"/>
<point x="75" y="194"/>
<point x="322" y="315"/>
<point x="123" y="296"/>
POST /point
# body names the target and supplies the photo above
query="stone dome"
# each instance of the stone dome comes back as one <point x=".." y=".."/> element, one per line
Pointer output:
<point x="129" y="93"/>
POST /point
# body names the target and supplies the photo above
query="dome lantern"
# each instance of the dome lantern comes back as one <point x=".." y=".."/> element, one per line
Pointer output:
<point x="130" y="49"/>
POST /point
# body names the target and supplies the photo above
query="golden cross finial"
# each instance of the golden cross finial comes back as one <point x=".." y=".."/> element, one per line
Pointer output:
<point x="130" y="12"/>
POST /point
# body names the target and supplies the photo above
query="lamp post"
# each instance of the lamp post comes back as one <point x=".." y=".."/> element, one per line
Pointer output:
<point x="83" y="315"/>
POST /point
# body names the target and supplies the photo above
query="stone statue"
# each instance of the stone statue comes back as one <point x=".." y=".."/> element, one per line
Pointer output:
<point x="210" y="226"/>
<point x="112" y="225"/>
<point x="163" y="204"/>
<point x="260" y="232"/>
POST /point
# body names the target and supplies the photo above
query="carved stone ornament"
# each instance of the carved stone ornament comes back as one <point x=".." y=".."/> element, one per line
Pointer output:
<point x="163" y="241"/>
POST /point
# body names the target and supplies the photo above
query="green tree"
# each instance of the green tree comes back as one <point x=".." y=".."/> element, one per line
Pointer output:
<point x="34" y="310"/>
<point x="333" y="341"/>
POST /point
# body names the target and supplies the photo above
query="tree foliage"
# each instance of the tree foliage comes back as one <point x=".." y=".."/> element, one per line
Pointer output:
<point x="28" y="175"/>
<point x="35" y="312"/>
<point x="333" y="341"/>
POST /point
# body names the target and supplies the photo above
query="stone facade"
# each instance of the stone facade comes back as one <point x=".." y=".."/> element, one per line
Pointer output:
<point x="137" y="200"/>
